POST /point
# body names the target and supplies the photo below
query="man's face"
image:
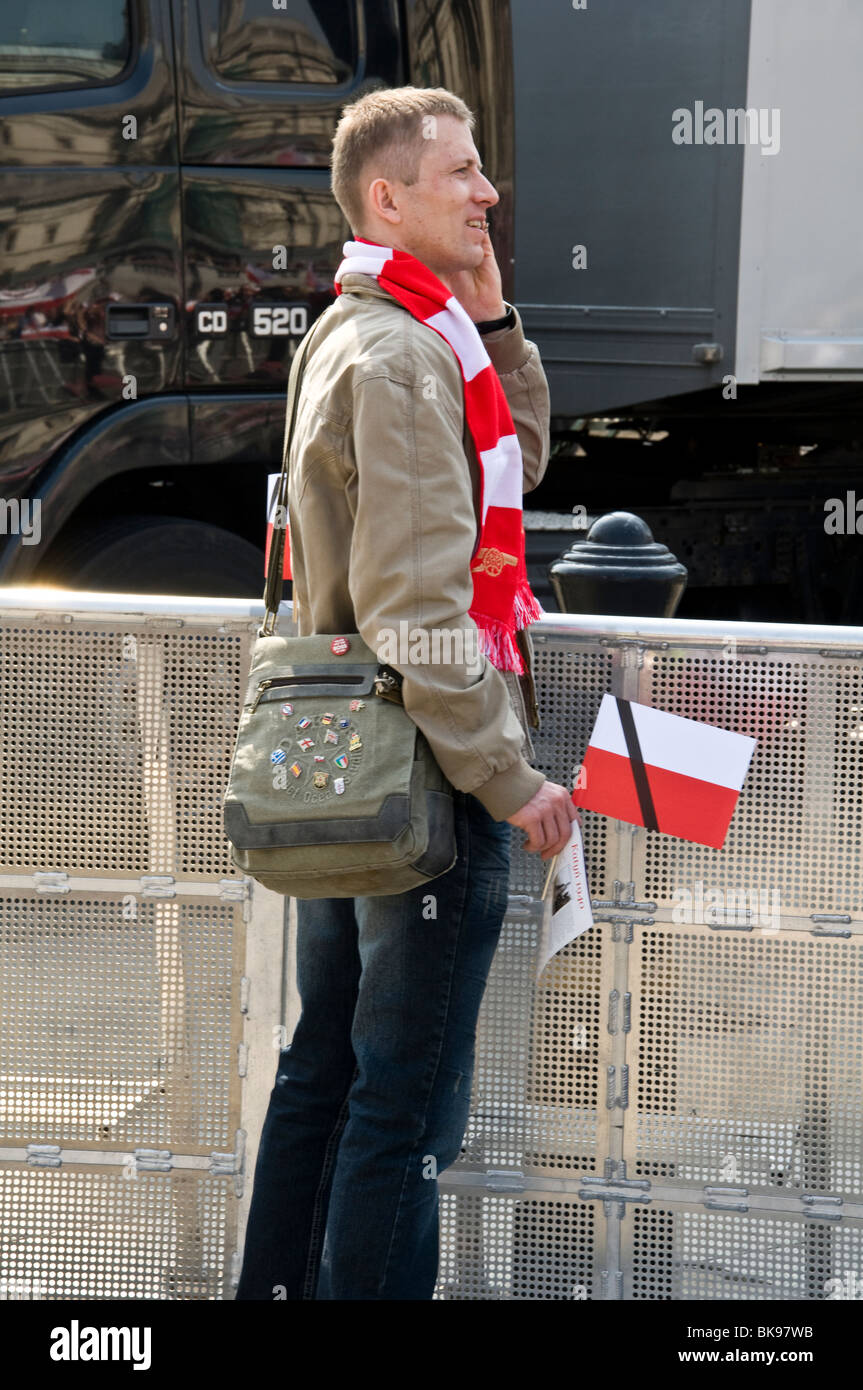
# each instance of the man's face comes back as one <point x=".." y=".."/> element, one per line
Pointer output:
<point x="432" y="218"/>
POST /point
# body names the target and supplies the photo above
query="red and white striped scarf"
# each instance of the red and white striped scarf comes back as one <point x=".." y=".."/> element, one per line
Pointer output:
<point x="502" y="597"/>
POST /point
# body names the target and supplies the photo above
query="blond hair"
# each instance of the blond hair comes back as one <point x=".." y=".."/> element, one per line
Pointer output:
<point x="386" y="129"/>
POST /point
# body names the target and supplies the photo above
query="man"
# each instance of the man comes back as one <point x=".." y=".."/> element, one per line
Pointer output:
<point x="389" y="500"/>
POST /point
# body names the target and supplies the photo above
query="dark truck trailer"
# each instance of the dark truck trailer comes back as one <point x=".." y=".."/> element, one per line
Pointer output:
<point x="677" y="223"/>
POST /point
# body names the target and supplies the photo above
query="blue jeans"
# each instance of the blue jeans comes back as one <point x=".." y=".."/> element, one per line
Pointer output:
<point x="371" y="1097"/>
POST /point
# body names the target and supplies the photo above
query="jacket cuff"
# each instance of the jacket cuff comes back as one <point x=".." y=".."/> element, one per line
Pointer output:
<point x="507" y="347"/>
<point x="506" y="792"/>
<point x="506" y="320"/>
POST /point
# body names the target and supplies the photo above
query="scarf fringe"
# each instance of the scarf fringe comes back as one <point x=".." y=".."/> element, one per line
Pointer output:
<point x="526" y="606"/>
<point x="496" y="642"/>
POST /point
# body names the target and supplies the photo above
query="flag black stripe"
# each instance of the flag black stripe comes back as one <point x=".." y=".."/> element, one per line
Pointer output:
<point x="639" y="771"/>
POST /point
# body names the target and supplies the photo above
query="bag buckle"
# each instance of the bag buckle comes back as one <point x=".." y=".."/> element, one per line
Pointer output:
<point x="388" y="685"/>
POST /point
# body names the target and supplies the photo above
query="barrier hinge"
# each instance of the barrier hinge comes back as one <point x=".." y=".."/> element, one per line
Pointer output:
<point x="624" y="899"/>
<point x="504" y="1180"/>
<point x="158" y="886"/>
<point x="722" y="1198"/>
<point x="223" y="1165"/>
<point x="233" y="890"/>
<point x="611" y="1194"/>
<point x="51" y="882"/>
<point x="839" y="917"/>
<point x="521" y="905"/>
<point x="231" y="1165"/>
<point x="613" y="1011"/>
<point x="44" y="1155"/>
<point x="614" y="1176"/>
<point x="614" y="1095"/>
<point x="815" y="1204"/>
<point x="153" y="1160"/>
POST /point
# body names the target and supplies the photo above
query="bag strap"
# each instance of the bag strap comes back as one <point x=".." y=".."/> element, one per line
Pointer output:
<point x="276" y="559"/>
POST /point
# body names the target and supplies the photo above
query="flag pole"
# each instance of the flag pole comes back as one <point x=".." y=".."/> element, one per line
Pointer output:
<point x="549" y="876"/>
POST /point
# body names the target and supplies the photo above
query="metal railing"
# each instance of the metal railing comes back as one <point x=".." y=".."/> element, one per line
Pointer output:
<point x="138" y="992"/>
<point x="673" y="1112"/>
<point x="676" y="1110"/>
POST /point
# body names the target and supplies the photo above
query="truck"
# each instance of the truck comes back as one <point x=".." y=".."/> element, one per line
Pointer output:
<point x="680" y="199"/>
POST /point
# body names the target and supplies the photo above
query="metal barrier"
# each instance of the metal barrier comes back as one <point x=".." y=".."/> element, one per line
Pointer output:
<point x="131" y="951"/>
<point x="675" y="1112"/>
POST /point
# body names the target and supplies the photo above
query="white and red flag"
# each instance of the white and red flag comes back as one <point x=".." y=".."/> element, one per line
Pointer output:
<point x="662" y="771"/>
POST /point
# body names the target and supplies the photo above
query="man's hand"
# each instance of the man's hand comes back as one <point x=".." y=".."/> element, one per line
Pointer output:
<point x="480" y="291"/>
<point x="546" y="818"/>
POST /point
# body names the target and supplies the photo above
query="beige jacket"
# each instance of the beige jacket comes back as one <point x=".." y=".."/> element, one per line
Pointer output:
<point x="383" y="510"/>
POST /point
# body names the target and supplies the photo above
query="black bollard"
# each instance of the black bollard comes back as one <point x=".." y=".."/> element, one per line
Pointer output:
<point x="619" y="569"/>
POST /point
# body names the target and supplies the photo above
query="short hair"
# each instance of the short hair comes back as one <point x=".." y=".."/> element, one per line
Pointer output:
<point x="389" y="128"/>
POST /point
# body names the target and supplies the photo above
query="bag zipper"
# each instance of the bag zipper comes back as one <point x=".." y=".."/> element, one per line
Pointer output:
<point x="270" y="681"/>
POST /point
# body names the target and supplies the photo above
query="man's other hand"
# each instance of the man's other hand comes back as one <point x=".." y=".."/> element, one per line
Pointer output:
<point x="480" y="291"/>
<point x="546" y="818"/>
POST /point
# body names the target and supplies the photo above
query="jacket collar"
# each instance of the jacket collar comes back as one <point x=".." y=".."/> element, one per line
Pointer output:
<point x="356" y="283"/>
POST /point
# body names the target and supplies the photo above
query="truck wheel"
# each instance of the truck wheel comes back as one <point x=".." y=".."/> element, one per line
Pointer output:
<point x="157" y="555"/>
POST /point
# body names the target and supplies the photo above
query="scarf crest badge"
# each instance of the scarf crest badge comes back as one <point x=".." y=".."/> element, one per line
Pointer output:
<point x="502" y="598"/>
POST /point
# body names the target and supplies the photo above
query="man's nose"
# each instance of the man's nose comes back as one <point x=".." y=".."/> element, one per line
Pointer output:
<point x="487" y="193"/>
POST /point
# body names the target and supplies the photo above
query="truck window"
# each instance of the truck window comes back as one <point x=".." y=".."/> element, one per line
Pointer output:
<point x="51" y="44"/>
<point x="297" y="41"/>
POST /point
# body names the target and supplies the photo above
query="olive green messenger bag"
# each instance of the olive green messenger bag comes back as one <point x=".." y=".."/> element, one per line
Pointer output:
<point x="333" y="791"/>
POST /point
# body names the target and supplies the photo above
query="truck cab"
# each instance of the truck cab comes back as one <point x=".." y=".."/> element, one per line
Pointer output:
<point x="689" y="272"/>
<point x="167" y="235"/>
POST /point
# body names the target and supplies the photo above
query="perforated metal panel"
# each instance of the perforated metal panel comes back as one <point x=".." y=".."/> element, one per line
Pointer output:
<point x="681" y="1252"/>
<point x="115" y="744"/>
<point x="123" y="927"/>
<point x="797" y="828"/>
<point x="748" y="1068"/>
<point x="80" y="1232"/>
<point x="119" y="1032"/>
<point x="504" y="1248"/>
<point x="711" y="1114"/>
<point x="537" y="1100"/>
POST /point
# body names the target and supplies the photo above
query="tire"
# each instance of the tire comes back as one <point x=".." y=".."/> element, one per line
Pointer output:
<point x="157" y="555"/>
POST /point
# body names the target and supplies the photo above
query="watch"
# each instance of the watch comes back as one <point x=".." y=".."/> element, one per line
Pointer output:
<point x="489" y="325"/>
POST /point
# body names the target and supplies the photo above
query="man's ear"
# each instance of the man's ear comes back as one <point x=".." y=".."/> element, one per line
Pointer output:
<point x="383" y="203"/>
